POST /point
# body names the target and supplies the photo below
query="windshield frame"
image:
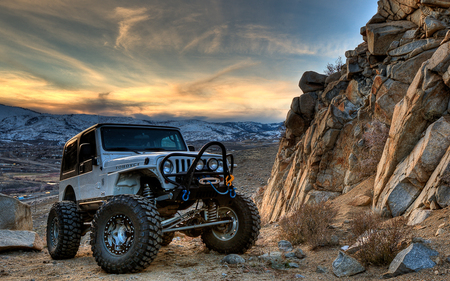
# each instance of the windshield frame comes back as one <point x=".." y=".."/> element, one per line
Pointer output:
<point x="158" y="133"/>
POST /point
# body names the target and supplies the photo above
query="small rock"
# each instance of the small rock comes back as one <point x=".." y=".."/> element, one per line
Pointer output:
<point x="277" y="265"/>
<point x="285" y="246"/>
<point x="293" y="265"/>
<point x="321" y="269"/>
<point x="299" y="253"/>
<point x="299" y="276"/>
<point x="345" y="248"/>
<point x="334" y="240"/>
<point x="224" y="274"/>
<point x="440" y="231"/>
<point x="271" y="256"/>
<point x="290" y="255"/>
<point x="233" y="259"/>
<point x="345" y="265"/>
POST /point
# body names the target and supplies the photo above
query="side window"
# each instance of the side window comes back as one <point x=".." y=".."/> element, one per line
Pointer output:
<point x="69" y="163"/>
<point x="89" y="138"/>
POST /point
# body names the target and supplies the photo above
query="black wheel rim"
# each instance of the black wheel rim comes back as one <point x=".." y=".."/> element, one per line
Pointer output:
<point x="226" y="231"/>
<point x="54" y="231"/>
<point x="119" y="234"/>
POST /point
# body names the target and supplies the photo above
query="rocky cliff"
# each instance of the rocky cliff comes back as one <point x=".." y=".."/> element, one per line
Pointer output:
<point x="385" y="114"/>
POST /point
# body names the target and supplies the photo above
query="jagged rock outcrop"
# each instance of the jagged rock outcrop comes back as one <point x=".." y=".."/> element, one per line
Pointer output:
<point x="385" y="114"/>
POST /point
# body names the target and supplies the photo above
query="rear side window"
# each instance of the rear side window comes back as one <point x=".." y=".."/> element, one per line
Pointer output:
<point x="69" y="163"/>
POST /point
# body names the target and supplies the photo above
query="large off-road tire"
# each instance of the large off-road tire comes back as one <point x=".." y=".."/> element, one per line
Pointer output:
<point x="167" y="238"/>
<point x="126" y="234"/>
<point x="64" y="227"/>
<point x="240" y="235"/>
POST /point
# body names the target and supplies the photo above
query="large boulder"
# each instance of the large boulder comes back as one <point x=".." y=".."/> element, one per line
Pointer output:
<point x="405" y="71"/>
<point x="14" y="214"/>
<point x="436" y="193"/>
<point x="413" y="173"/>
<point x="436" y="3"/>
<point x="312" y="81"/>
<point x="412" y="259"/>
<point x="332" y="90"/>
<point x="295" y="123"/>
<point x="304" y="105"/>
<point x="381" y="35"/>
<point x="19" y="240"/>
<point x="396" y="9"/>
<point x="387" y="96"/>
<point x="425" y="101"/>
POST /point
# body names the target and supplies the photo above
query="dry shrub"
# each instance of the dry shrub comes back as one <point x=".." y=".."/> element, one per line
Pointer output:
<point x="379" y="246"/>
<point x="309" y="224"/>
<point x="363" y="222"/>
<point x="333" y="68"/>
<point x="374" y="140"/>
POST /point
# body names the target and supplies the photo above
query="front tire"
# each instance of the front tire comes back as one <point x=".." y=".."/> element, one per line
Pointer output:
<point x="126" y="234"/>
<point x="241" y="234"/>
<point x="64" y="227"/>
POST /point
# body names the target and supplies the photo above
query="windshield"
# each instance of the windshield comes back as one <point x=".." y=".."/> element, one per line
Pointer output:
<point x="141" y="139"/>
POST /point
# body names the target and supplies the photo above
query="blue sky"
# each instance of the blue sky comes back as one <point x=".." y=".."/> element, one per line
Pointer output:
<point x="210" y="60"/>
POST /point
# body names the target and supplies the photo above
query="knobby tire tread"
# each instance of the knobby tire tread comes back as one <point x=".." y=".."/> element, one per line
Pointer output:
<point x="69" y="233"/>
<point x="248" y="231"/>
<point x="149" y="242"/>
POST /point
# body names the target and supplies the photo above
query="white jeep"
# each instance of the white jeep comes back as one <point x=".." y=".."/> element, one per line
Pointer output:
<point x="133" y="186"/>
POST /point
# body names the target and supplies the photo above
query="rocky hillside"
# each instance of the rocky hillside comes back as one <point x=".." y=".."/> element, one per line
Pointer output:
<point x="385" y="114"/>
<point x="26" y="125"/>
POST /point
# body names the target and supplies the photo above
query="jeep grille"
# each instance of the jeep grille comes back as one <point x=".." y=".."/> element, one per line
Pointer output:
<point x="182" y="165"/>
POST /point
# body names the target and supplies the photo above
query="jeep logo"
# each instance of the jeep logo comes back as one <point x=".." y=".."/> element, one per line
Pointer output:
<point x="127" y="166"/>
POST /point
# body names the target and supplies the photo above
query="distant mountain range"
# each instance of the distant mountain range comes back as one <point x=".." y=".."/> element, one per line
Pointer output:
<point x="20" y="124"/>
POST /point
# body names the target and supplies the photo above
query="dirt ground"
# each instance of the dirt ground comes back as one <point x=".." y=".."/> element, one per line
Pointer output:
<point x="188" y="259"/>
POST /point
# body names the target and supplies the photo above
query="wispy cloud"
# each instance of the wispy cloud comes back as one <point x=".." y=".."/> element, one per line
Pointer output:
<point x="204" y="87"/>
<point x="127" y="19"/>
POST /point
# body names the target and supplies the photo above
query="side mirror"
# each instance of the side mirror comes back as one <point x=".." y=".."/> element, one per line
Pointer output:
<point x="191" y="148"/>
<point x="85" y="151"/>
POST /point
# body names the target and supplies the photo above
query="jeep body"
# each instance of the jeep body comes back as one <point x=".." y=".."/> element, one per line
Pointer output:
<point x="111" y="159"/>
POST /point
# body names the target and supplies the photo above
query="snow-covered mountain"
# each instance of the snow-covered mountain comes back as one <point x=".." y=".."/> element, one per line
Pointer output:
<point x="23" y="124"/>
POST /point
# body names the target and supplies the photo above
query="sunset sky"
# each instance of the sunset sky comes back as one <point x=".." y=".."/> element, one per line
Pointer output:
<point x="231" y="60"/>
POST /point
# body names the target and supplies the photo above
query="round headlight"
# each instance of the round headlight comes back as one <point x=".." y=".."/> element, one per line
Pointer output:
<point x="213" y="164"/>
<point x="168" y="167"/>
<point x="200" y="165"/>
<point x="219" y="166"/>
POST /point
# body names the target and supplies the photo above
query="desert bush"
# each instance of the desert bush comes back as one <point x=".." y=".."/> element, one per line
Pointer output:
<point x="362" y="222"/>
<point x="374" y="140"/>
<point x="379" y="246"/>
<point x="333" y="68"/>
<point x="309" y="224"/>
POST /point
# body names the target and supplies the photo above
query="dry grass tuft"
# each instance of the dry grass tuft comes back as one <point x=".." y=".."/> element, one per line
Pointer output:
<point x="363" y="222"/>
<point x="309" y="224"/>
<point x="381" y="243"/>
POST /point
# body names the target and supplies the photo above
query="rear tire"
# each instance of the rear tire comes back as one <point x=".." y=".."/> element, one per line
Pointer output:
<point x="126" y="234"/>
<point x="167" y="238"/>
<point x="64" y="227"/>
<point x="240" y="235"/>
